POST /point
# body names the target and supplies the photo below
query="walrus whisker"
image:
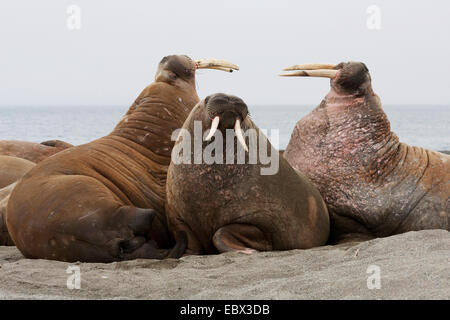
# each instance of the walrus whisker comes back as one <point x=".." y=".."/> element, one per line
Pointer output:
<point x="215" y="64"/>
<point x="310" y="66"/>
<point x="237" y="129"/>
<point x="214" y="126"/>
<point x="323" y="73"/>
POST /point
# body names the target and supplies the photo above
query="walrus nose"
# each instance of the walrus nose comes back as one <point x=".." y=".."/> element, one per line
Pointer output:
<point x="237" y="130"/>
<point x="324" y="70"/>
<point x="215" y="64"/>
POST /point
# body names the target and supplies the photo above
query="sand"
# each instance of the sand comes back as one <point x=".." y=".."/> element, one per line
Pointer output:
<point x="414" y="265"/>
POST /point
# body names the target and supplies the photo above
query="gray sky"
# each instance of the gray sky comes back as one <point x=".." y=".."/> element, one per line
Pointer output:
<point x="115" y="53"/>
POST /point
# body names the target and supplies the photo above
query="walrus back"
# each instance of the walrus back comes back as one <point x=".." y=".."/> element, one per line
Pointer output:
<point x="51" y="206"/>
<point x="74" y="212"/>
<point x="431" y="196"/>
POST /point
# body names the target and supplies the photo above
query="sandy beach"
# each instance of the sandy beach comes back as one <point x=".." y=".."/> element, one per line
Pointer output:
<point x="414" y="265"/>
<point x="152" y="129"/>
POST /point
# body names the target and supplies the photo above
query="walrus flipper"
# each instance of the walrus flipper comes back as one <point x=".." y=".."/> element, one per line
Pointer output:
<point x="5" y="238"/>
<point x="137" y="248"/>
<point x="243" y="238"/>
<point x="140" y="222"/>
<point x="56" y="144"/>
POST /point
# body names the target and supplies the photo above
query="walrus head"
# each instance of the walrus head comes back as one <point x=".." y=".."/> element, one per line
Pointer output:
<point x="164" y="105"/>
<point x="237" y="140"/>
<point x="224" y="112"/>
<point x="179" y="70"/>
<point x="346" y="77"/>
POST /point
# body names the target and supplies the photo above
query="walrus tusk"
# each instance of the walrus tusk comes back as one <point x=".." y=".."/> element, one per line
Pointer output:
<point x="215" y="64"/>
<point x="311" y="66"/>
<point x="222" y="68"/>
<point x="324" y="73"/>
<point x="214" y="125"/>
<point x="237" y="129"/>
<point x="324" y="70"/>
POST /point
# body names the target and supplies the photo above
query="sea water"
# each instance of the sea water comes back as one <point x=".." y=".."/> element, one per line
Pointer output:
<point x="420" y="125"/>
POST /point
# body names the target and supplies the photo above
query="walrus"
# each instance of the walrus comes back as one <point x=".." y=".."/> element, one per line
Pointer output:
<point x="16" y="159"/>
<point x="12" y="169"/>
<point x="373" y="184"/>
<point x="233" y="207"/>
<point x="104" y="201"/>
<point x="32" y="151"/>
<point x="5" y="192"/>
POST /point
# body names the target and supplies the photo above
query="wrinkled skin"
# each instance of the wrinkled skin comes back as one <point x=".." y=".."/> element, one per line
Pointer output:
<point x="31" y="151"/>
<point x="232" y="207"/>
<point x="104" y="201"/>
<point x="373" y="185"/>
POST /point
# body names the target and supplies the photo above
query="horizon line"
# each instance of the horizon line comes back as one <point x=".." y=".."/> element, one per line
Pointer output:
<point x="254" y="104"/>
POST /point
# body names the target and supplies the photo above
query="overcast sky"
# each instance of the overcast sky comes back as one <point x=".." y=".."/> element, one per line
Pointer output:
<point x="115" y="53"/>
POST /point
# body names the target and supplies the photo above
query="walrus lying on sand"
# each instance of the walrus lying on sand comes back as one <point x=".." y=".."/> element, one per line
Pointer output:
<point x="32" y="151"/>
<point x="373" y="185"/>
<point x="231" y="206"/>
<point x="16" y="159"/>
<point x="104" y="201"/>
<point x="11" y="170"/>
<point x="5" y="238"/>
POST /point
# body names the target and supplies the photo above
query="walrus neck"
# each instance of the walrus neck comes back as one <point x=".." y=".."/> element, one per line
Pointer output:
<point x="152" y="118"/>
<point x="359" y="131"/>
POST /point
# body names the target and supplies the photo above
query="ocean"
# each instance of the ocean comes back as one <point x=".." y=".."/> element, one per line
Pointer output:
<point x="420" y="125"/>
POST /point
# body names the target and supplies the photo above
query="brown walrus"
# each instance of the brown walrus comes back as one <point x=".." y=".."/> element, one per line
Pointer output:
<point x="374" y="185"/>
<point x="16" y="159"/>
<point x="32" y="151"/>
<point x="5" y="238"/>
<point x="104" y="201"/>
<point x="11" y="170"/>
<point x="233" y="207"/>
